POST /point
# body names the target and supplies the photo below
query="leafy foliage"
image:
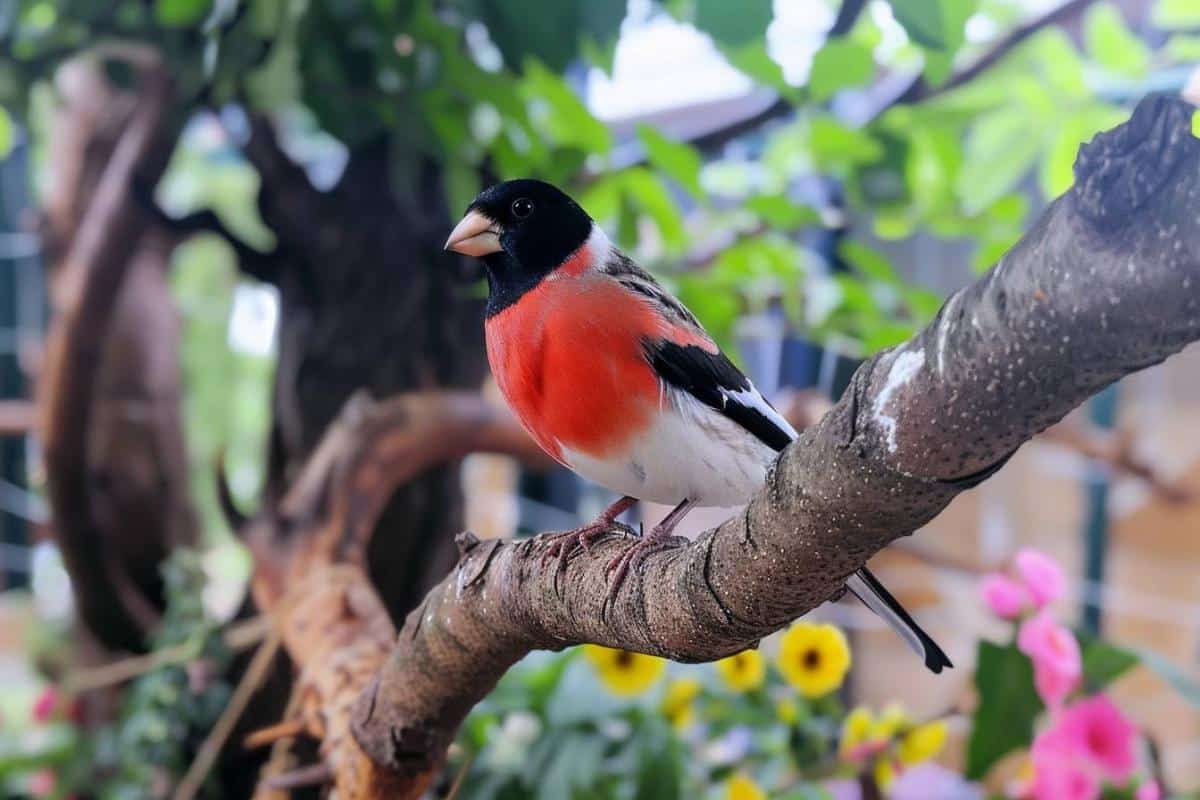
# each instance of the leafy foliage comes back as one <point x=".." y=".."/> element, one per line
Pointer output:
<point x="1008" y="706"/>
<point x="478" y="86"/>
<point x="165" y="713"/>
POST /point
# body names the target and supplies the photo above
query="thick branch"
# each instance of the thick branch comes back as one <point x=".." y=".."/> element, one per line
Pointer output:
<point x="310" y="554"/>
<point x="95" y="267"/>
<point x="1106" y="283"/>
<point x="288" y="201"/>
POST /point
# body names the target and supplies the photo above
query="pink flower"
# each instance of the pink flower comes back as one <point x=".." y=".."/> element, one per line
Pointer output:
<point x="42" y="783"/>
<point x="1004" y="596"/>
<point x="1057" y="666"/>
<point x="1064" y="780"/>
<point x="1102" y="735"/>
<point x="1148" y="791"/>
<point x="1042" y="575"/>
<point x="46" y="706"/>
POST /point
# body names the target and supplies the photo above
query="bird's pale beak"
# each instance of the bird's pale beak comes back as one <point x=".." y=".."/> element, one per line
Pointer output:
<point x="476" y="235"/>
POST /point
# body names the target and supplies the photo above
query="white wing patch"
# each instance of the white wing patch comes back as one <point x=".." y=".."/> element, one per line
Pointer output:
<point x="752" y="398"/>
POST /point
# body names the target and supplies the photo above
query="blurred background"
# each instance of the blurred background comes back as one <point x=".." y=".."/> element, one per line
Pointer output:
<point x="221" y="219"/>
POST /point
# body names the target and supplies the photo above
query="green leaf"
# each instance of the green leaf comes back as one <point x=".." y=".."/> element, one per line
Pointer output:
<point x="939" y="65"/>
<point x="1000" y="152"/>
<point x="733" y="23"/>
<point x="923" y="21"/>
<point x="1113" y="45"/>
<point x="679" y="160"/>
<point x="1008" y="706"/>
<point x="1182" y="47"/>
<point x="779" y="211"/>
<point x="1057" y="171"/>
<point x="840" y="63"/>
<point x="647" y="193"/>
<point x="524" y="29"/>
<point x="1104" y="662"/>
<point x="601" y="27"/>
<point x="884" y="334"/>
<point x="179" y="13"/>
<point x="1187" y="684"/>
<point x="1058" y="164"/>
<point x="602" y="199"/>
<point x="934" y="158"/>
<point x="934" y="24"/>
<point x="869" y="262"/>
<point x="717" y="310"/>
<point x="1176" y="14"/>
<point x="660" y="771"/>
<point x="834" y="144"/>
<point x="564" y="115"/>
<point x="557" y="765"/>
<point x="7" y="133"/>
<point x="753" y="59"/>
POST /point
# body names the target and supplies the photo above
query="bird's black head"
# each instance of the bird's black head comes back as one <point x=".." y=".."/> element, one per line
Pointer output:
<point x="522" y="230"/>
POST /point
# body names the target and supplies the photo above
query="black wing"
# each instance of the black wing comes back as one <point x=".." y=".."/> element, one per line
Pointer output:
<point x="713" y="380"/>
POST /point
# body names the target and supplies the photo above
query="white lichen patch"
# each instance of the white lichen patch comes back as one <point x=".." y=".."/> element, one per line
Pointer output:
<point x="947" y="321"/>
<point x="905" y="365"/>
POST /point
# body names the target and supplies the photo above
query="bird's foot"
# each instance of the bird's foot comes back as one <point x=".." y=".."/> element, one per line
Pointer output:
<point x="564" y="544"/>
<point x="659" y="538"/>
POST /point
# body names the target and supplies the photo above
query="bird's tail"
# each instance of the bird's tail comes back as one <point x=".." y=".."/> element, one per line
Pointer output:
<point x="867" y="588"/>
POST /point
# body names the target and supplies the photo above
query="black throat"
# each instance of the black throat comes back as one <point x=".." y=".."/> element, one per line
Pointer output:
<point x="528" y="257"/>
<point x="507" y="281"/>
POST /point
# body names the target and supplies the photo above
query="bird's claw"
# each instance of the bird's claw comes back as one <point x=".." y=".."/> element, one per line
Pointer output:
<point x="565" y="544"/>
<point x="632" y="556"/>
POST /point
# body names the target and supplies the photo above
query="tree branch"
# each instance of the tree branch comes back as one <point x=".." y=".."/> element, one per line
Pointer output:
<point x="94" y="269"/>
<point x="917" y="90"/>
<point x="287" y="200"/>
<point x="1106" y="283"/>
<point x="848" y="14"/>
<point x="920" y="90"/>
<point x="310" y="554"/>
<point x="255" y="263"/>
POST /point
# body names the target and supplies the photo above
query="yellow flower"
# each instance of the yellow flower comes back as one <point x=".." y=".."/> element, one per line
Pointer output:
<point x="885" y="773"/>
<point x="814" y="658"/>
<point x="743" y="672"/>
<point x="622" y="672"/>
<point x="787" y="712"/>
<point x="739" y="787"/>
<point x="922" y="742"/>
<point x="889" y="723"/>
<point x="856" y="729"/>
<point x="677" y="703"/>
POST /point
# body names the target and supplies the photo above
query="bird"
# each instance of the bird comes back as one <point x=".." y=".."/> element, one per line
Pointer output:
<point x="618" y="381"/>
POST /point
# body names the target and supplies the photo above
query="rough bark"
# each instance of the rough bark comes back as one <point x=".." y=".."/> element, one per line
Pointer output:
<point x="1107" y="282"/>
<point x="108" y="390"/>
<point x="310" y="554"/>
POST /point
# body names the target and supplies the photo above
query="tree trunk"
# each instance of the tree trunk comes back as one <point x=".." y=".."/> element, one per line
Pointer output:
<point x="368" y="301"/>
<point x="115" y="455"/>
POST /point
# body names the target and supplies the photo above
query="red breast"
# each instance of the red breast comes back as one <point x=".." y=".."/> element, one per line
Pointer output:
<point x="568" y="358"/>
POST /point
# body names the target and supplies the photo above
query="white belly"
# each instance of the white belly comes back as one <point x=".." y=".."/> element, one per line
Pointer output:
<point x="691" y="451"/>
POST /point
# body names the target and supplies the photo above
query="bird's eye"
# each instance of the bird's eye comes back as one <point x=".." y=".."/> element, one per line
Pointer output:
<point x="522" y="207"/>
